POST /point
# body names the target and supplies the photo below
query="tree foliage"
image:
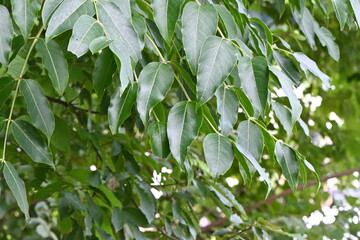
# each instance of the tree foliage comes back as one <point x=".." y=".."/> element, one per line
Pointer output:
<point x="126" y="119"/>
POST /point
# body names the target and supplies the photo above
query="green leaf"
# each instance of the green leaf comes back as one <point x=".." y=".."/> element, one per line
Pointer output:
<point x="183" y="127"/>
<point x="244" y="167"/>
<point x="55" y="63"/>
<point x="355" y="4"/>
<point x="118" y="219"/>
<point x="120" y="106"/>
<point x="198" y="23"/>
<point x="94" y="211"/>
<point x="227" y="107"/>
<point x="6" y="29"/>
<point x="341" y="12"/>
<point x="155" y="81"/>
<point x="147" y="201"/>
<point x="216" y="61"/>
<point x="228" y="20"/>
<point x="256" y="165"/>
<point x="38" y="106"/>
<point x="284" y="115"/>
<point x="2" y="124"/>
<point x="30" y="140"/>
<point x="6" y="86"/>
<point x="245" y="102"/>
<point x="17" y="187"/>
<point x="158" y="139"/>
<point x="48" y="10"/>
<point x="61" y="137"/>
<point x="166" y="13"/>
<point x="25" y="13"/>
<point x="99" y="43"/>
<point x="280" y="6"/>
<point x="219" y="154"/>
<point x="65" y="16"/>
<point x="307" y="25"/>
<point x="313" y="171"/>
<point x="69" y="204"/>
<point x="251" y="139"/>
<point x="135" y="216"/>
<point x="287" y="87"/>
<point x="327" y="39"/>
<point x="288" y="162"/>
<point x="288" y="67"/>
<point x="105" y="67"/>
<point x="85" y="30"/>
<point x="254" y="76"/>
<point x="307" y="64"/>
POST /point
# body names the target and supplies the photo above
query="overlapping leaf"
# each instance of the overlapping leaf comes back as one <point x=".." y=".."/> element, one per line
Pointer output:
<point x="288" y="162"/>
<point x="6" y="29"/>
<point x="227" y="107"/>
<point x="25" y="13"/>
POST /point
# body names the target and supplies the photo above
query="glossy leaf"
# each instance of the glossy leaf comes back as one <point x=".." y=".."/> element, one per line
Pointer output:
<point x="120" y="106"/>
<point x="147" y="201"/>
<point x="183" y="126"/>
<point x="118" y="219"/>
<point x="288" y="67"/>
<point x="55" y="63"/>
<point x="85" y="30"/>
<point x="198" y="23"/>
<point x="219" y="154"/>
<point x="158" y="139"/>
<point x="38" y="106"/>
<point x="48" y="10"/>
<point x="66" y="14"/>
<point x="31" y="141"/>
<point x="17" y="187"/>
<point x="251" y="139"/>
<point x="254" y="77"/>
<point x="6" y="29"/>
<point x="104" y="70"/>
<point x="155" y="81"/>
<point x="227" y="107"/>
<point x="99" y="43"/>
<point x="217" y="59"/>
<point x="166" y="13"/>
<point x="341" y="11"/>
<point x="25" y="13"/>
<point x="6" y="86"/>
<point x="288" y="162"/>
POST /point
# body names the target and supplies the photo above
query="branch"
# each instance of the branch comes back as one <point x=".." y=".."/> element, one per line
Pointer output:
<point x="70" y="105"/>
<point x="222" y="221"/>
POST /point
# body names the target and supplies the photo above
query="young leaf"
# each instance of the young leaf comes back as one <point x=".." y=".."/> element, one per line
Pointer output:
<point x="219" y="154"/>
<point x="48" y="10"/>
<point x="217" y="59"/>
<point x="120" y="106"/>
<point x="158" y="139"/>
<point x="25" y="13"/>
<point x="166" y="13"/>
<point x="85" y="30"/>
<point x="250" y="138"/>
<point x="6" y="86"/>
<point x="31" y="141"/>
<point x="6" y="30"/>
<point x="183" y="127"/>
<point x="99" y="43"/>
<point x="55" y="63"/>
<point x="227" y="107"/>
<point x="288" y="162"/>
<point x="254" y="76"/>
<point x="118" y="219"/>
<point x="155" y="81"/>
<point x="65" y="16"/>
<point x="341" y="12"/>
<point x="147" y="201"/>
<point x="38" y="106"/>
<point x="104" y="70"/>
<point x="198" y="23"/>
<point x="17" y="187"/>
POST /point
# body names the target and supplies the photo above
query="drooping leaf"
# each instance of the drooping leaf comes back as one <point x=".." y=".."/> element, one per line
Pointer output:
<point x="217" y="59"/>
<point x="155" y="81"/>
<point x="6" y="86"/>
<point x="244" y="168"/>
<point x="65" y="16"/>
<point x="31" y="141"/>
<point x="94" y="211"/>
<point x="99" y="43"/>
<point x="166" y="13"/>
<point x="327" y="39"/>
<point x="227" y="107"/>
<point x="313" y="171"/>
<point x="288" y="67"/>
<point x="118" y="219"/>
<point x="17" y="187"/>
<point x="280" y="6"/>
<point x="228" y="20"/>
<point x="307" y="64"/>
<point x="25" y="13"/>
<point x="158" y="139"/>
<point x="85" y="30"/>
<point x="69" y="204"/>
<point x="55" y="63"/>
<point x="48" y="10"/>
<point x="38" y="106"/>
<point x="198" y="23"/>
<point x="254" y="76"/>
<point x="61" y="138"/>
<point x="219" y="154"/>
<point x="355" y="4"/>
<point x="250" y="138"/>
<point x="120" y="106"/>
<point x="147" y="201"/>
<point x="284" y="115"/>
<point x="307" y="25"/>
<point x="183" y="126"/>
<point x="104" y="70"/>
<point x="288" y="162"/>
<point x="341" y="12"/>
<point x="245" y="102"/>
<point x="6" y="30"/>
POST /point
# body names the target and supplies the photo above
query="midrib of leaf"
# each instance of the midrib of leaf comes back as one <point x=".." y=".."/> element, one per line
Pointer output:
<point x="218" y="154"/>
<point x="53" y="65"/>
<point x="82" y="38"/>
<point x="17" y="185"/>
